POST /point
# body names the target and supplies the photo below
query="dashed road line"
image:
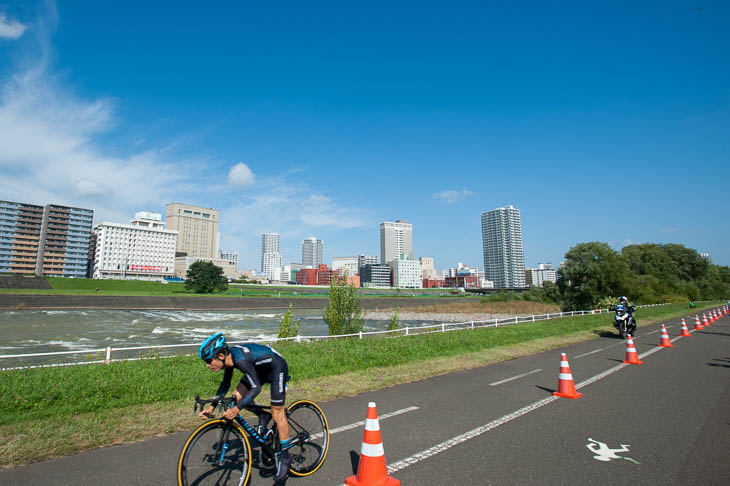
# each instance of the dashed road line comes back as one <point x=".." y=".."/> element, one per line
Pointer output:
<point x="380" y="417"/>
<point x="515" y="377"/>
<point x="448" y="444"/>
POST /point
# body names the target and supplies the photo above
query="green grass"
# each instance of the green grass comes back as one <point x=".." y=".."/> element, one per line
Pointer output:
<point x="58" y="393"/>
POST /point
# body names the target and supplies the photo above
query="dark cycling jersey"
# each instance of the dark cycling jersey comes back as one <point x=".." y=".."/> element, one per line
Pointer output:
<point x="259" y="364"/>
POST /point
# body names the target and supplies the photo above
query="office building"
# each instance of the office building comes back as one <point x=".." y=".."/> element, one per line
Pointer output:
<point x="64" y="243"/>
<point x="376" y="275"/>
<point x="20" y="233"/>
<point x="345" y="266"/>
<point x="271" y="258"/>
<point x="536" y="277"/>
<point x="406" y="273"/>
<point x="363" y="260"/>
<point x="427" y="270"/>
<point x="312" y="252"/>
<point x="396" y="239"/>
<point x="143" y="249"/>
<point x="502" y="247"/>
<point x="197" y="229"/>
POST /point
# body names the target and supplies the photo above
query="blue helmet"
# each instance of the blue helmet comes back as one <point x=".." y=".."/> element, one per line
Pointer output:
<point x="212" y="346"/>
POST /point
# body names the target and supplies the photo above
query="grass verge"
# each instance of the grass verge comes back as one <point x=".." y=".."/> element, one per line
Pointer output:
<point x="52" y="412"/>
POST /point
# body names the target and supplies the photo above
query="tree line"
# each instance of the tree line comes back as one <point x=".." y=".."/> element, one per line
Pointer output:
<point x="595" y="275"/>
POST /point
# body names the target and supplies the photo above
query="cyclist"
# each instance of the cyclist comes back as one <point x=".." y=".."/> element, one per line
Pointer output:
<point x="259" y="364"/>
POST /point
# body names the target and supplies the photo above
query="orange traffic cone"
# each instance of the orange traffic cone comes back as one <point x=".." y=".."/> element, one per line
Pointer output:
<point x="371" y="471"/>
<point x="711" y="317"/>
<point x="698" y="326"/>
<point x="685" y="331"/>
<point x="566" y="386"/>
<point x="665" y="342"/>
<point x="631" y="356"/>
<point x="705" y="322"/>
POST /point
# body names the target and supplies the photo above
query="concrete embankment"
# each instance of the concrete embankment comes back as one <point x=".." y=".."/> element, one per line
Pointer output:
<point x="30" y="302"/>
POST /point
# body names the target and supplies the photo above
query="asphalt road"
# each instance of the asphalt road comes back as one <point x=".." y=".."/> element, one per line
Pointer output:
<point x="667" y="422"/>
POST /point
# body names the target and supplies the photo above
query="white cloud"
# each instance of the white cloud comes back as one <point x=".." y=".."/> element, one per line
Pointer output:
<point x="51" y="153"/>
<point x="88" y="187"/>
<point x="10" y="29"/>
<point x="240" y="175"/>
<point x="451" y="196"/>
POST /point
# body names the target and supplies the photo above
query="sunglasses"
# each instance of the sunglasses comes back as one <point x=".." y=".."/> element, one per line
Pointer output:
<point x="209" y="361"/>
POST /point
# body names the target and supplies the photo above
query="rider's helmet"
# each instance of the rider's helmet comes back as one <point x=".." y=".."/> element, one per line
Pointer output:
<point x="212" y="346"/>
<point x="623" y="299"/>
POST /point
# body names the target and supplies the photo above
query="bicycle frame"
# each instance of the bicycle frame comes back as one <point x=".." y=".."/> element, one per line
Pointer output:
<point x="225" y="403"/>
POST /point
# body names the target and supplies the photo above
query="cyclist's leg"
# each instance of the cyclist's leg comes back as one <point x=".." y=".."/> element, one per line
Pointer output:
<point x="279" y="377"/>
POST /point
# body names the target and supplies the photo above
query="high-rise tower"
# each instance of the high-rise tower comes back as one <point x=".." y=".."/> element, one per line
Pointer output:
<point x="312" y="252"/>
<point x="504" y="262"/>
<point x="396" y="240"/>
<point x="271" y="258"/>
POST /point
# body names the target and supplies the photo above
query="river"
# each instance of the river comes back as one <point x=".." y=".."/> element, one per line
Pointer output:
<point x="47" y="331"/>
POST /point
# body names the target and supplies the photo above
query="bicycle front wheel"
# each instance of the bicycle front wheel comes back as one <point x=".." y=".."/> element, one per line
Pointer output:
<point x="310" y="433"/>
<point x="217" y="453"/>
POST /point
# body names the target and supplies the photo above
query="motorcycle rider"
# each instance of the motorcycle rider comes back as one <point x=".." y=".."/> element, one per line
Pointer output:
<point x="630" y="308"/>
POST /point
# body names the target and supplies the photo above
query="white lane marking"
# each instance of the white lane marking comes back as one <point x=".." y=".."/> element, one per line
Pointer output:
<point x="448" y="444"/>
<point x="615" y="344"/>
<point x="515" y="377"/>
<point x="380" y="417"/>
<point x="591" y="352"/>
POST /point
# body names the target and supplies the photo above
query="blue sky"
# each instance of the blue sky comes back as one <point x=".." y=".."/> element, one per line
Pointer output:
<point x="598" y="123"/>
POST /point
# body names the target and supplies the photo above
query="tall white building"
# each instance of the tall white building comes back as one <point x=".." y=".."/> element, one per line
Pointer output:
<point x="396" y="239"/>
<point x="347" y="266"/>
<point x="271" y="258"/>
<point x="312" y="252"/>
<point x="504" y="262"/>
<point x="140" y="250"/>
<point x="406" y="273"/>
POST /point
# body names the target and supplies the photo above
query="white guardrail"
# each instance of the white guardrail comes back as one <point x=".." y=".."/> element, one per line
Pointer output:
<point x="104" y="355"/>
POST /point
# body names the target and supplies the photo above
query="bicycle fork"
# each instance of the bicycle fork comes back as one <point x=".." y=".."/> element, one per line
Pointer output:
<point x="224" y="442"/>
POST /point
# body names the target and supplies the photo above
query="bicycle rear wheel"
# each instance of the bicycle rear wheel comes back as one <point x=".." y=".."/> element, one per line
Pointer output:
<point x="309" y="431"/>
<point x="217" y="453"/>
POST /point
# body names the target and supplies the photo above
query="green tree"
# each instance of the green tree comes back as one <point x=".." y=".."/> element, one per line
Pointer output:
<point x="591" y="271"/>
<point x="394" y="322"/>
<point x="287" y="326"/>
<point x="344" y="311"/>
<point x="205" y="278"/>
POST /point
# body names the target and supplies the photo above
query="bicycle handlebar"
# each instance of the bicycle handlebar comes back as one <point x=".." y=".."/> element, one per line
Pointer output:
<point x="219" y="403"/>
<point x="222" y="404"/>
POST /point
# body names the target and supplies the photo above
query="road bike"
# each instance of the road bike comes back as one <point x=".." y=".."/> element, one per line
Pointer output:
<point x="219" y="452"/>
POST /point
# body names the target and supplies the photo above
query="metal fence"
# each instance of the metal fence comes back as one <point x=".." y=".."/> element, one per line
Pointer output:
<point x="107" y="354"/>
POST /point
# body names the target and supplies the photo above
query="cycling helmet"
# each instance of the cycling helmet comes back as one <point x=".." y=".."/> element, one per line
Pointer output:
<point x="212" y="346"/>
<point x="623" y="299"/>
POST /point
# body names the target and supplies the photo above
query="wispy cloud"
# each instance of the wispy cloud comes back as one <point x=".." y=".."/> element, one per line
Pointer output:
<point x="451" y="196"/>
<point x="669" y="230"/>
<point x="10" y="29"/>
<point x="51" y="153"/>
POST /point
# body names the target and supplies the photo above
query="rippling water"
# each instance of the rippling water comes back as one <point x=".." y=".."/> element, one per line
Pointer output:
<point x="45" y="331"/>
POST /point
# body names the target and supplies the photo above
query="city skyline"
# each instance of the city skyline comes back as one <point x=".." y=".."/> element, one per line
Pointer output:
<point x="613" y="131"/>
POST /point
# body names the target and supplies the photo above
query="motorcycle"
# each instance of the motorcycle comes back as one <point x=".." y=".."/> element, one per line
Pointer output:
<point x="623" y="320"/>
